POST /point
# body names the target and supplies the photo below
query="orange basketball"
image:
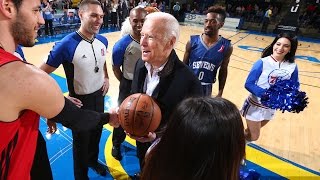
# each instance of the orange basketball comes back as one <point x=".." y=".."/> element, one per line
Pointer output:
<point x="139" y="114"/>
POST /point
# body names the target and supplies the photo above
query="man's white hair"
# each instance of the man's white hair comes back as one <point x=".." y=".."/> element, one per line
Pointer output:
<point x="169" y="23"/>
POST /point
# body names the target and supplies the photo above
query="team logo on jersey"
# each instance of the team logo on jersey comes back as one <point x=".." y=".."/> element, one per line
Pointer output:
<point x="221" y="49"/>
<point x="278" y="74"/>
<point x="203" y="65"/>
<point x="102" y="52"/>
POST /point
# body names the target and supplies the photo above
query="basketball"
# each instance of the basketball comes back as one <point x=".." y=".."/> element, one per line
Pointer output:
<point x="139" y="114"/>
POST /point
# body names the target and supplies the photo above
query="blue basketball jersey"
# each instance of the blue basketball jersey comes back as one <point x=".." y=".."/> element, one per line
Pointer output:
<point x="205" y="61"/>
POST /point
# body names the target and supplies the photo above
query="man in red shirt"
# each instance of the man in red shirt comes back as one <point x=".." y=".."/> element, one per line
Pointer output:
<point x="27" y="92"/>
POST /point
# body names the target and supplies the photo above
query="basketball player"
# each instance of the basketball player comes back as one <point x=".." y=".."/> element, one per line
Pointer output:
<point x="27" y="92"/>
<point x="276" y="63"/>
<point x="125" y="54"/>
<point x="207" y="53"/>
<point x="83" y="56"/>
<point x="160" y="74"/>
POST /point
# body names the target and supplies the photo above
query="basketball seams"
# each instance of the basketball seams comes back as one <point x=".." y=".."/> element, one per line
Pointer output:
<point x="134" y="114"/>
<point x="137" y="114"/>
<point x="151" y="117"/>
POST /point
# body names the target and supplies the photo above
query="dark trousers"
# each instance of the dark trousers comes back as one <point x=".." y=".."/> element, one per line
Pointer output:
<point x="265" y="23"/>
<point x="41" y="166"/>
<point x="118" y="135"/>
<point x="142" y="149"/>
<point x="106" y="20"/>
<point x="86" y="143"/>
<point x="207" y="89"/>
<point x="176" y="15"/>
<point x="48" y="26"/>
<point x="114" y="19"/>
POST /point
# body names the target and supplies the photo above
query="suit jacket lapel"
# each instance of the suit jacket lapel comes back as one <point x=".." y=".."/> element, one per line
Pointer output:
<point x="142" y="76"/>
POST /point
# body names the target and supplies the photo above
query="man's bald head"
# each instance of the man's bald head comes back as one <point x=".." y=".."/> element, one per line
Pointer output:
<point x="137" y="17"/>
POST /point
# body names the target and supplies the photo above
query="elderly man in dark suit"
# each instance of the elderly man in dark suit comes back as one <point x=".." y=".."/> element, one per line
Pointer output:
<point x="160" y="73"/>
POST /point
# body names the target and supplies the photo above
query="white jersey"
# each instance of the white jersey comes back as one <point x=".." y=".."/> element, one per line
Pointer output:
<point x="82" y="60"/>
<point x="266" y="71"/>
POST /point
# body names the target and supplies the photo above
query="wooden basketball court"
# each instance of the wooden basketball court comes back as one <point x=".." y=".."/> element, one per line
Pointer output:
<point x="289" y="145"/>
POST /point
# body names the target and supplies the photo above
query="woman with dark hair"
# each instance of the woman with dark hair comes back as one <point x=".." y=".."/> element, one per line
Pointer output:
<point x="204" y="140"/>
<point x="276" y="63"/>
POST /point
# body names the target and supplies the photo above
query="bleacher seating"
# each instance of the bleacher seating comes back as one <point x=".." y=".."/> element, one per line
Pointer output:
<point x="63" y="23"/>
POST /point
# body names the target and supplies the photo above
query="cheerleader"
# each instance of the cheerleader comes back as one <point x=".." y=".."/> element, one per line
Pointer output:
<point x="276" y="63"/>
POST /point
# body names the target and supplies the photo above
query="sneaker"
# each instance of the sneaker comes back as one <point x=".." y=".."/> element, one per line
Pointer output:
<point x="116" y="153"/>
<point x="136" y="176"/>
<point x="99" y="169"/>
<point x="243" y="162"/>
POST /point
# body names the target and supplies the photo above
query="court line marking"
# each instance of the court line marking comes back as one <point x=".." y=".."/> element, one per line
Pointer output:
<point x="117" y="171"/>
<point x="60" y="153"/>
<point x="268" y="161"/>
<point x="277" y="164"/>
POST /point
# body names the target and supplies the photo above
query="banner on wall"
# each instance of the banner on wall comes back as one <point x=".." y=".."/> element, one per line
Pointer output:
<point x="289" y="23"/>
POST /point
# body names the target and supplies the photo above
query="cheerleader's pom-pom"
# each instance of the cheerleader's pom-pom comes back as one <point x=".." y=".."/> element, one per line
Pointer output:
<point x="284" y="95"/>
<point x="249" y="174"/>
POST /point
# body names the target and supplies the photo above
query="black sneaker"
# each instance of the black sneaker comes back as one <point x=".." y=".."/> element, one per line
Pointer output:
<point x="116" y="153"/>
<point x="136" y="176"/>
<point x="99" y="169"/>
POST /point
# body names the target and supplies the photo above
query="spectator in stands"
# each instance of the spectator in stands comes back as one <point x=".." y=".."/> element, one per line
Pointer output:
<point x="259" y="16"/>
<point x="64" y="17"/>
<point x="142" y="4"/>
<point x="105" y="5"/>
<point x="238" y="11"/>
<point x="132" y="4"/>
<point x="176" y="9"/>
<point x="124" y="9"/>
<point x="256" y="7"/>
<point x="67" y="4"/>
<point x="114" y="14"/>
<point x="195" y="11"/>
<point x="195" y="6"/>
<point x="162" y="6"/>
<point x="54" y="6"/>
<point x="311" y="8"/>
<point x="317" y="21"/>
<point x="266" y="19"/>
<point x="48" y="16"/>
<point x="154" y="3"/>
<point x="249" y="12"/>
<point x="74" y="18"/>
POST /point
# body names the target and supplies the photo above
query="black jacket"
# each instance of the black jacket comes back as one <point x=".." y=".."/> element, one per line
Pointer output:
<point x="177" y="82"/>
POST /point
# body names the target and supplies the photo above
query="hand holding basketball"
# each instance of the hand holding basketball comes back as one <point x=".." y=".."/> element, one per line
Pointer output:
<point x="151" y="136"/>
<point x="139" y="115"/>
<point x="113" y="118"/>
